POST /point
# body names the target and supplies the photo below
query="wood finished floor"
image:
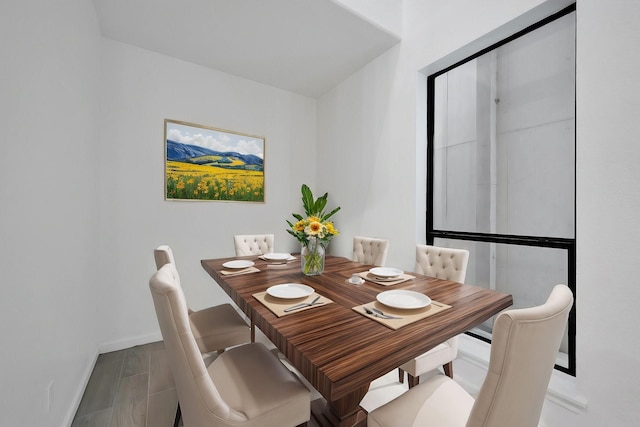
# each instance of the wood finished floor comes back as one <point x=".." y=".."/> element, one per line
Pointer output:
<point x="134" y="388"/>
<point x="129" y="388"/>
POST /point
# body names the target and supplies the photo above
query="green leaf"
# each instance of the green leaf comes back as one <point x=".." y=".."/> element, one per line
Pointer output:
<point x="307" y="198"/>
<point x="320" y="204"/>
<point x="326" y="217"/>
<point x="312" y="207"/>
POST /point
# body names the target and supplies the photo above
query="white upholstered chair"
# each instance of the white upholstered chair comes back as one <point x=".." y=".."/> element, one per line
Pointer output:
<point x="215" y="328"/>
<point x="244" y="386"/>
<point x="523" y="352"/>
<point x="369" y="250"/>
<point x="447" y="264"/>
<point x="253" y="244"/>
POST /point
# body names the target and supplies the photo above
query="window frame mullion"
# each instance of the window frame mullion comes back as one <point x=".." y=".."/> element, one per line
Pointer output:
<point x="568" y="244"/>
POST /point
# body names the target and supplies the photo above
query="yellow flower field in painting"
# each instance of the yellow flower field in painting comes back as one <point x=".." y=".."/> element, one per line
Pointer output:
<point x="206" y="182"/>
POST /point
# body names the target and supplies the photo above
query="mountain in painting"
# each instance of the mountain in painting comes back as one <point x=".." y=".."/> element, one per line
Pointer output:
<point x="190" y="153"/>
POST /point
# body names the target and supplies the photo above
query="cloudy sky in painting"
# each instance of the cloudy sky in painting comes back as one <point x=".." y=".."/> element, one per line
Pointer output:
<point x="215" y="139"/>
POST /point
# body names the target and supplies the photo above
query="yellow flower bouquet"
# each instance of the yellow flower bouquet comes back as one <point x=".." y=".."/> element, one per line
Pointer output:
<point x="314" y="232"/>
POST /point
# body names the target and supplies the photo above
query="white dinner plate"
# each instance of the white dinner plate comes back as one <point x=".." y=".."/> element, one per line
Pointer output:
<point x="290" y="290"/>
<point x="238" y="263"/>
<point x="401" y="298"/>
<point x="274" y="256"/>
<point x="386" y="272"/>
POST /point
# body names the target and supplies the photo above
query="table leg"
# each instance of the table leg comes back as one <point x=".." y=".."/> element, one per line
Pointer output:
<point x="344" y="412"/>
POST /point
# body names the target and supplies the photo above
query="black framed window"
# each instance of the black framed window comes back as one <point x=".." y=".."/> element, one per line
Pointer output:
<point x="501" y="166"/>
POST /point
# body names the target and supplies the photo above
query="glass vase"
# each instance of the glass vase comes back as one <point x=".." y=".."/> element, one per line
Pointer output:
<point x="312" y="257"/>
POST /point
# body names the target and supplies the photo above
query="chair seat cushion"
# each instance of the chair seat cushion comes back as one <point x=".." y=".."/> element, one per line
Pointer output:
<point x="252" y="381"/>
<point x="438" y="401"/>
<point x="432" y="359"/>
<point x="219" y="327"/>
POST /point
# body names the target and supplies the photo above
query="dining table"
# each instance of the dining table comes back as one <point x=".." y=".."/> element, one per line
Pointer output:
<point x="336" y="346"/>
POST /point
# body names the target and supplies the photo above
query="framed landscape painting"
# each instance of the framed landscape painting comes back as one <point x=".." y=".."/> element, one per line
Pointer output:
<point x="205" y="163"/>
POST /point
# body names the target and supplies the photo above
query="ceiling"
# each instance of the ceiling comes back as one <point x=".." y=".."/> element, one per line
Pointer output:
<point x="303" y="46"/>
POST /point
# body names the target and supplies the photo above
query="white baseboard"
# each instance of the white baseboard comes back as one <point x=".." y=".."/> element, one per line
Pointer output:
<point x="77" y="398"/>
<point x="104" y="348"/>
<point x="129" y="342"/>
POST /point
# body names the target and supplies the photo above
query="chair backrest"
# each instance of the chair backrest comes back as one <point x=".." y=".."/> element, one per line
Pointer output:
<point x="163" y="255"/>
<point x="523" y="352"/>
<point x="443" y="263"/>
<point x="369" y="250"/>
<point x="200" y="401"/>
<point x="253" y="244"/>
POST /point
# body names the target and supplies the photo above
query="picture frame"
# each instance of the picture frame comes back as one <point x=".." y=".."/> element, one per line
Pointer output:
<point x="205" y="163"/>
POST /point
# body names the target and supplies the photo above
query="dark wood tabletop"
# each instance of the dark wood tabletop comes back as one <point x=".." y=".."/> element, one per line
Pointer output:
<point x="339" y="351"/>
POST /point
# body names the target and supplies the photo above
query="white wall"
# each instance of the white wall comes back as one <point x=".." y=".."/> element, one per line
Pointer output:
<point x="48" y="217"/>
<point x="71" y="183"/>
<point x="608" y="203"/>
<point x="371" y="119"/>
<point x="139" y="89"/>
<point x="82" y="195"/>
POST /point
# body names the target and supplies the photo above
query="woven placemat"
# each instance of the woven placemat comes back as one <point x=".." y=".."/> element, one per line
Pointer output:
<point x="407" y="316"/>
<point x="239" y="272"/>
<point x="278" y="305"/>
